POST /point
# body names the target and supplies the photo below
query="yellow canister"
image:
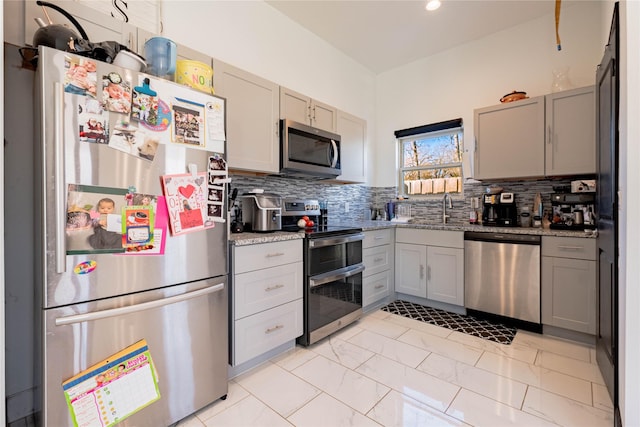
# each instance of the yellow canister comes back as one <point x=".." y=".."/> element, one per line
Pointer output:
<point x="195" y="74"/>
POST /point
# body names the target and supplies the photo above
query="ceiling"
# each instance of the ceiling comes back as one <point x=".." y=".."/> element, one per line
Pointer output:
<point x="385" y="34"/>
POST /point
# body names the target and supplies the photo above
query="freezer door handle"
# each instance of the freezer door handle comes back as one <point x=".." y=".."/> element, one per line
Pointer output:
<point x="97" y="315"/>
<point x="60" y="190"/>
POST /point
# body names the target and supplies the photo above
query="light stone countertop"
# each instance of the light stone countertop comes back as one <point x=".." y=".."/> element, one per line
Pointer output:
<point x="241" y="239"/>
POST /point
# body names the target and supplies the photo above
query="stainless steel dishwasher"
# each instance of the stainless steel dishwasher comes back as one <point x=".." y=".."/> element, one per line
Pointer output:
<point x="502" y="274"/>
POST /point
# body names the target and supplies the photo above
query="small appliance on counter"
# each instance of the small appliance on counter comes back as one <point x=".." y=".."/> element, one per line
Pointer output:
<point x="573" y="211"/>
<point x="261" y="211"/>
<point x="499" y="210"/>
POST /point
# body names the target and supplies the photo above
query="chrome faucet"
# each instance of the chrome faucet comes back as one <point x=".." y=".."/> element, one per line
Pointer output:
<point x="444" y="207"/>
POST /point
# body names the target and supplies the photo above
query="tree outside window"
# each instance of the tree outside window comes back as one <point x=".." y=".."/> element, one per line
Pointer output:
<point x="431" y="162"/>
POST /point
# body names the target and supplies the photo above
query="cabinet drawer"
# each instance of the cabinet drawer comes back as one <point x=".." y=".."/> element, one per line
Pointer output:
<point x="569" y="247"/>
<point x="377" y="238"/>
<point x="377" y="259"/>
<point x="376" y="287"/>
<point x="264" y="331"/>
<point x="447" y="239"/>
<point x="256" y="291"/>
<point x="256" y="257"/>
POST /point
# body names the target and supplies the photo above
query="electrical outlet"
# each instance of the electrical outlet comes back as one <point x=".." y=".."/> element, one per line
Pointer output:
<point x="346" y="207"/>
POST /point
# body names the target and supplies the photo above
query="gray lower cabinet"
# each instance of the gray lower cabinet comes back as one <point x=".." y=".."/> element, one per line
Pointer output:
<point x="266" y="298"/>
<point x="430" y="264"/>
<point x="569" y="283"/>
<point x="378" y="256"/>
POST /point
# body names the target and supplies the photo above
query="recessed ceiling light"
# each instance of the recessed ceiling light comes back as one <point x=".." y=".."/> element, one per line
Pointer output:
<point x="433" y="5"/>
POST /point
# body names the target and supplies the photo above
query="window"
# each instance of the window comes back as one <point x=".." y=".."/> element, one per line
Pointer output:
<point x="430" y="159"/>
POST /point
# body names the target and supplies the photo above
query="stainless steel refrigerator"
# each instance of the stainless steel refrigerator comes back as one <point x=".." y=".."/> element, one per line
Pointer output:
<point x="96" y="299"/>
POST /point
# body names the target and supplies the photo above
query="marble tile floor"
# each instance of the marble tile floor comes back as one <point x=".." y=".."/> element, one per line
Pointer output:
<point x="388" y="370"/>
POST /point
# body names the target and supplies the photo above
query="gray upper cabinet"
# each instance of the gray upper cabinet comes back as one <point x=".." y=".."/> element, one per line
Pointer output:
<point x="353" y="141"/>
<point x="99" y="26"/>
<point x="552" y="135"/>
<point x="253" y="142"/>
<point x="303" y="109"/>
<point x="509" y="140"/>
<point x="571" y="132"/>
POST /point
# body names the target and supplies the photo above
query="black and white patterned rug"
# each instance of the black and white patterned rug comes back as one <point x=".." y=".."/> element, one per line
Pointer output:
<point x="466" y="324"/>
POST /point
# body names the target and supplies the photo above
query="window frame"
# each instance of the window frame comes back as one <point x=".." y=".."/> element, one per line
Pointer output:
<point x="424" y="132"/>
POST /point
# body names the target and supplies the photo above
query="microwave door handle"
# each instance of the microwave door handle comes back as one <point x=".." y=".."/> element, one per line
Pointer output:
<point x="335" y="152"/>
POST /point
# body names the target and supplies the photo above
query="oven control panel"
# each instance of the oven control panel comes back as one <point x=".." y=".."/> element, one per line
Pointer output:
<point x="300" y="207"/>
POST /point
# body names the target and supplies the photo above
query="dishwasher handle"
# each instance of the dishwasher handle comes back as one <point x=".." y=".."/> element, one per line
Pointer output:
<point x="523" y="239"/>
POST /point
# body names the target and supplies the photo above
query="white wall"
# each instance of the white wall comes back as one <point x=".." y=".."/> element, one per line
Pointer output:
<point x="629" y="246"/>
<point x="255" y="37"/>
<point x="477" y="74"/>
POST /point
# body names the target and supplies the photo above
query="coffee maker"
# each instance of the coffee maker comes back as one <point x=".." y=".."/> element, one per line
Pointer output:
<point x="499" y="210"/>
<point x="573" y="211"/>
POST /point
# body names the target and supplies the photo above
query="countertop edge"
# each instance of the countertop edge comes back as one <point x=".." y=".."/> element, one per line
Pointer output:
<point x="241" y="239"/>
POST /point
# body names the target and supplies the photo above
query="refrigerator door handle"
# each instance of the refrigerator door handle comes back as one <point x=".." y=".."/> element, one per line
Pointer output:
<point x="97" y="315"/>
<point x="60" y="190"/>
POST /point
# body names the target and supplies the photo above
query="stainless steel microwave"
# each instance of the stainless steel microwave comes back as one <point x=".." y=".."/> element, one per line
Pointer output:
<point x="306" y="151"/>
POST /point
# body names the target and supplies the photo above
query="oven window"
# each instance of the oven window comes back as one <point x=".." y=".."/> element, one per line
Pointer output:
<point x="331" y="301"/>
<point x="329" y="258"/>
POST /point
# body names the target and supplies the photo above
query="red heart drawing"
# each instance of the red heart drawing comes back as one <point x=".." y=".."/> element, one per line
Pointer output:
<point x="187" y="191"/>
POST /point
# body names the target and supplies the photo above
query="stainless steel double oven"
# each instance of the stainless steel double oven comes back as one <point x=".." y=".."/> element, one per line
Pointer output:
<point x="333" y="273"/>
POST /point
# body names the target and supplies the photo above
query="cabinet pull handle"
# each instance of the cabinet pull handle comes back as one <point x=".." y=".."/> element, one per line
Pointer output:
<point x="379" y="286"/>
<point x="275" y="328"/>
<point x="421" y="271"/>
<point x="429" y="273"/>
<point x="277" y="128"/>
<point x="549" y="134"/>
<point x="571" y="248"/>
<point x="275" y="254"/>
<point x="378" y="260"/>
<point x="273" y="288"/>
<point x="378" y="238"/>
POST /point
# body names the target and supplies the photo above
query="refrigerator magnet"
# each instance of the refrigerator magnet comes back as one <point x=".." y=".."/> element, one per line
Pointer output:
<point x="145" y="104"/>
<point x="85" y="267"/>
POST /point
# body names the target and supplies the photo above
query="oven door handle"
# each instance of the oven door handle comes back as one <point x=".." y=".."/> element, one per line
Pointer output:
<point x="332" y="276"/>
<point x="333" y="241"/>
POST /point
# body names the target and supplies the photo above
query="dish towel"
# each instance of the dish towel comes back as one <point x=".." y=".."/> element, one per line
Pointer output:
<point x="414" y="187"/>
<point x="427" y="186"/>
<point x="451" y="185"/>
<point x="438" y="185"/>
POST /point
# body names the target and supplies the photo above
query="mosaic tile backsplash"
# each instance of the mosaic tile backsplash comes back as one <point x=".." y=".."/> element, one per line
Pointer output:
<point x="362" y="198"/>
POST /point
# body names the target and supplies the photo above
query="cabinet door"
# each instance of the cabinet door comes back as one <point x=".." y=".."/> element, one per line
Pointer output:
<point x="323" y="116"/>
<point x="571" y="132"/>
<point x="445" y="275"/>
<point x="98" y="25"/>
<point x="295" y="106"/>
<point x="252" y="118"/>
<point x="353" y="142"/>
<point x="569" y="294"/>
<point x="510" y="140"/>
<point x="411" y="266"/>
<point x="376" y="288"/>
<point x="266" y="330"/>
